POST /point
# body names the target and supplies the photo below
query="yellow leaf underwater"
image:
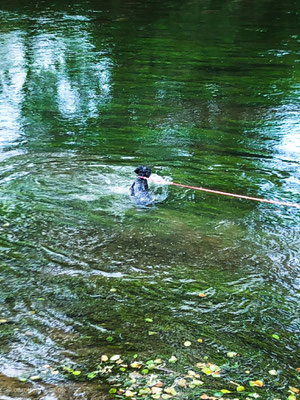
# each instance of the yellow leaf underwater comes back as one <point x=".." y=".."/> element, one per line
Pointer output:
<point x="257" y="383"/>
<point x="273" y="372"/>
<point x="129" y="393"/>
<point x="231" y="354"/>
<point x="182" y="383"/>
<point x="204" y="396"/>
<point x="34" y="377"/>
<point x="115" y="357"/>
<point x="170" y="390"/>
<point x="156" y="389"/>
<point x="135" y="365"/>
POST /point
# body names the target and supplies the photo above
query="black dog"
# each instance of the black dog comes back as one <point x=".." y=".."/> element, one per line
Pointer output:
<point x="139" y="190"/>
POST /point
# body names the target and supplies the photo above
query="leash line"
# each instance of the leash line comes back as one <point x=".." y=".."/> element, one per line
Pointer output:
<point x="239" y="196"/>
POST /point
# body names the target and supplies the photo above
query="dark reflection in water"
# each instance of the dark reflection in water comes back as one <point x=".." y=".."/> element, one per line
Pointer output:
<point x="205" y="93"/>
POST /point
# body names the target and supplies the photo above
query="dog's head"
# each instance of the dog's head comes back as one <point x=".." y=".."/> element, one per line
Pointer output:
<point x="143" y="171"/>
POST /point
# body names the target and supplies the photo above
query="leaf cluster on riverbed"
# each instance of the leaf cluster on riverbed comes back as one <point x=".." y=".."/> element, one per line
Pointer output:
<point x="132" y="378"/>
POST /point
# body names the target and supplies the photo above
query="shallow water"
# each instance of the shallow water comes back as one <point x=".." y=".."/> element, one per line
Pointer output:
<point x="206" y="94"/>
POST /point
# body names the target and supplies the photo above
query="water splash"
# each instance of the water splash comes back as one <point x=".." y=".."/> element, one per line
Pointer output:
<point x="159" y="187"/>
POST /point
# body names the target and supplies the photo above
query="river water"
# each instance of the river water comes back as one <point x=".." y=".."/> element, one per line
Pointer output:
<point x="206" y="93"/>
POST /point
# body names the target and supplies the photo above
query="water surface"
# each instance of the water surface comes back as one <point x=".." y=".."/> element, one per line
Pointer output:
<point x="206" y="93"/>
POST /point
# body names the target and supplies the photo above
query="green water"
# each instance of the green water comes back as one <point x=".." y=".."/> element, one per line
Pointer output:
<point x="206" y="93"/>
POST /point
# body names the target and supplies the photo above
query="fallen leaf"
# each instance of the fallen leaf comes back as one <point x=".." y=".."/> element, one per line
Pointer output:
<point x="199" y="340"/>
<point x="196" y="382"/>
<point x="293" y="389"/>
<point x="224" y="391"/>
<point x="115" y="357"/>
<point x="181" y="383"/>
<point x="187" y="343"/>
<point x="292" y="397"/>
<point x="214" y="367"/>
<point x="218" y="394"/>
<point x="231" y="354"/>
<point x="135" y="365"/>
<point x="273" y="372"/>
<point x="158" y="384"/>
<point x="34" y="377"/>
<point x="202" y="295"/>
<point x="129" y="393"/>
<point x="254" y="395"/>
<point x="104" y="358"/>
<point x="240" y="388"/>
<point x="150" y="364"/>
<point x="156" y="389"/>
<point x="204" y="396"/>
<point x="275" y="337"/>
<point x="206" y="371"/>
<point x="144" y="391"/>
<point x="191" y="373"/>
<point x="257" y="383"/>
<point x="3" y="321"/>
<point x="148" y="320"/>
<point x="170" y="390"/>
<point x="151" y="333"/>
<point x="156" y="396"/>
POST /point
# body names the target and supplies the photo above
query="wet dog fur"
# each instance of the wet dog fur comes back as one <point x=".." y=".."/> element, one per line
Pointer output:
<point x="139" y="190"/>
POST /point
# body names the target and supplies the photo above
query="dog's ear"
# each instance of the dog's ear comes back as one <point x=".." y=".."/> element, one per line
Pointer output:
<point x="138" y="170"/>
<point x="147" y="172"/>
